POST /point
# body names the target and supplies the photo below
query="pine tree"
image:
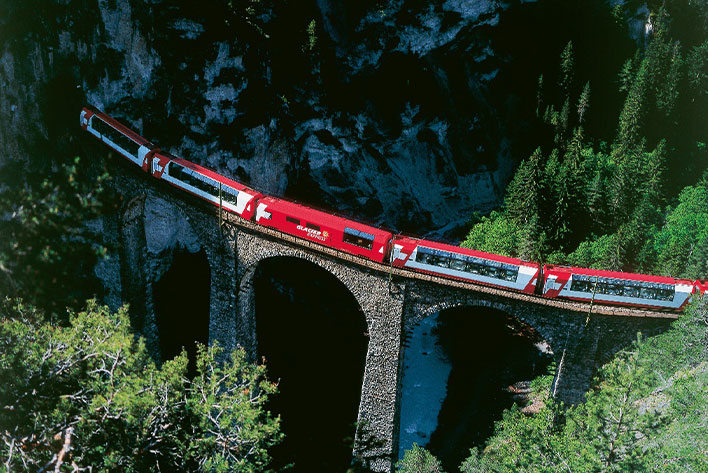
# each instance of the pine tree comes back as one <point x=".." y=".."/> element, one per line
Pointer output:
<point x="632" y="115"/>
<point x="626" y="75"/>
<point x="539" y="95"/>
<point x="583" y="103"/>
<point x="567" y="70"/>
<point x="697" y="62"/>
<point x="419" y="460"/>
<point x="667" y="96"/>
<point x="563" y="125"/>
<point x="523" y="196"/>
<point x="569" y="193"/>
<point x="523" y="205"/>
<point x="611" y="425"/>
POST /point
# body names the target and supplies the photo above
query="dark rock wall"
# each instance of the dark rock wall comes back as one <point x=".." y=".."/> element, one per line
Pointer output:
<point x="399" y="112"/>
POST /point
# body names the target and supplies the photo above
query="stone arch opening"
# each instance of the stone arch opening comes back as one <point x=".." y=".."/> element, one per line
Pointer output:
<point x="462" y="367"/>
<point x="313" y="334"/>
<point x="181" y="305"/>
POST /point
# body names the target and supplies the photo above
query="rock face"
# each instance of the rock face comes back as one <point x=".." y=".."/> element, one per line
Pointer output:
<point x="411" y="114"/>
<point x="380" y="110"/>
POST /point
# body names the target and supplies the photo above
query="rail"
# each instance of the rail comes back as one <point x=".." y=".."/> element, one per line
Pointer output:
<point x="581" y="307"/>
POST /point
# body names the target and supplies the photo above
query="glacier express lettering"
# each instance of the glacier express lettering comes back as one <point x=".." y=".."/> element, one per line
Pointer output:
<point x="316" y="234"/>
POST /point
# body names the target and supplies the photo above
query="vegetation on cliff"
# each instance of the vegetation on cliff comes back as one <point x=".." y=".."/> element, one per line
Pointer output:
<point x="79" y="389"/>
<point x="87" y="397"/>
<point x="648" y="411"/>
<point x="635" y="201"/>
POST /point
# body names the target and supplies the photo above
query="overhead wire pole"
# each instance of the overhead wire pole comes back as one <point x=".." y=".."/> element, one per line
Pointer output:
<point x="221" y="220"/>
<point x="390" y="267"/>
<point x="565" y="348"/>
<point x="592" y="301"/>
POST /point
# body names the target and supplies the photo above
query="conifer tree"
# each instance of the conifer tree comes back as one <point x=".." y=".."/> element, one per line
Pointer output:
<point x="539" y="95"/>
<point x="583" y="103"/>
<point x="419" y="460"/>
<point x="610" y="423"/>
<point x="567" y="69"/>
<point x="630" y="120"/>
<point x="668" y="93"/>
<point x="569" y="191"/>
<point x="523" y="197"/>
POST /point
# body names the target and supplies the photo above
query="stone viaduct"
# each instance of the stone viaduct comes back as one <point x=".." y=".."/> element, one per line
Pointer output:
<point x="155" y="220"/>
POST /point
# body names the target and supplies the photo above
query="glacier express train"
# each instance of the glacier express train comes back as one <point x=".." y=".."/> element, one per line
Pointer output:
<point x="424" y="256"/>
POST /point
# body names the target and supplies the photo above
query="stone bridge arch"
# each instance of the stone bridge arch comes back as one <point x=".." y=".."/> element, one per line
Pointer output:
<point x="313" y="333"/>
<point x="246" y="295"/>
<point x="382" y="305"/>
<point x="152" y="228"/>
<point x="424" y="299"/>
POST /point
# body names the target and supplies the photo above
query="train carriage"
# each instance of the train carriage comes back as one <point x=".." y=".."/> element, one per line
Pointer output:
<point x="580" y="284"/>
<point x="465" y="264"/>
<point x="616" y="288"/>
<point x="205" y="184"/>
<point x="118" y="137"/>
<point x="326" y="229"/>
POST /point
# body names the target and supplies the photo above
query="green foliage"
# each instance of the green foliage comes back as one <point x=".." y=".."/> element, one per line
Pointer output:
<point x="539" y="95"/>
<point x="88" y="396"/>
<point x="607" y="208"/>
<point x="697" y="73"/>
<point x="496" y="233"/>
<point x="311" y="35"/>
<point x="48" y="251"/>
<point x="681" y="245"/>
<point x="245" y="18"/>
<point x="567" y="69"/>
<point x="418" y="460"/>
<point x="647" y="412"/>
<point x="584" y="103"/>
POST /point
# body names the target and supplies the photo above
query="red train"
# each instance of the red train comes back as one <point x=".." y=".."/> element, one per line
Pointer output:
<point x="120" y="138"/>
<point x="581" y="284"/>
<point x="465" y="264"/>
<point x="616" y="288"/>
<point x="326" y="229"/>
<point x="203" y="183"/>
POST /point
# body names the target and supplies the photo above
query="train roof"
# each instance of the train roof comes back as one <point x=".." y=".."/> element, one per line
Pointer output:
<point x="120" y="127"/>
<point x="467" y="251"/>
<point x="318" y="216"/>
<point x="617" y="274"/>
<point x="209" y="173"/>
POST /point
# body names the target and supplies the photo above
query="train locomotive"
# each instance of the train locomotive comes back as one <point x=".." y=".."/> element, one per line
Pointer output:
<point x="365" y="241"/>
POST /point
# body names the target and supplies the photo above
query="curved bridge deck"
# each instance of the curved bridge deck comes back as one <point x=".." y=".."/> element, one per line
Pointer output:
<point x="574" y="306"/>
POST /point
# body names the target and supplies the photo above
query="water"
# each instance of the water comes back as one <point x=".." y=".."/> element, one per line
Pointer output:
<point x="458" y="367"/>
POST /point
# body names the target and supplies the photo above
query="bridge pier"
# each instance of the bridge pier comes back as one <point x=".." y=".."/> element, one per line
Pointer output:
<point x="391" y="308"/>
<point x="376" y="441"/>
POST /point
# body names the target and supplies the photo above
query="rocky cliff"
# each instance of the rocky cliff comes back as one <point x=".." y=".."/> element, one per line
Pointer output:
<point x="410" y="114"/>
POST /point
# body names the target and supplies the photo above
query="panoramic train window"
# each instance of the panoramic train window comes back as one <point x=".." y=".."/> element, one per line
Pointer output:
<point x="114" y="136"/>
<point x="468" y="264"/>
<point x="312" y="226"/>
<point x="229" y="194"/>
<point x="457" y="264"/>
<point x="292" y="220"/>
<point x="193" y="178"/>
<point x="358" y="238"/>
<point x="624" y="288"/>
